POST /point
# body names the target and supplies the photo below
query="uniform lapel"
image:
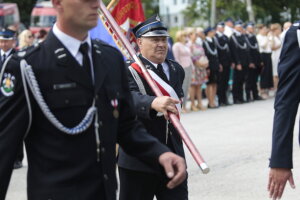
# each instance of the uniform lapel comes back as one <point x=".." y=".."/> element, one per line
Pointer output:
<point x="172" y="71"/>
<point x="65" y="60"/>
<point x="100" y="67"/>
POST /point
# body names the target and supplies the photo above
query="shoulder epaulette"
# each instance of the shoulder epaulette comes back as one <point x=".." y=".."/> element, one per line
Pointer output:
<point x="103" y="43"/>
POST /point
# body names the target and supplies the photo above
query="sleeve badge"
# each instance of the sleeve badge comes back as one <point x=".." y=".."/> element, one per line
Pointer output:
<point x="8" y="84"/>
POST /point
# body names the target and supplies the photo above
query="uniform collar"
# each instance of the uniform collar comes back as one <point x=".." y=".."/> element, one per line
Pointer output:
<point x="219" y="34"/>
<point x="6" y="53"/>
<point x="71" y="44"/>
<point x="237" y="33"/>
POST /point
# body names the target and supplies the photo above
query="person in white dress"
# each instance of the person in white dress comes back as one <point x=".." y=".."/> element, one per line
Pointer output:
<point x="276" y="49"/>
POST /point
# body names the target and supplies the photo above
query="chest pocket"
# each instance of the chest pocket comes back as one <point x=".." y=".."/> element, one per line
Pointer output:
<point x="70" y="98"/>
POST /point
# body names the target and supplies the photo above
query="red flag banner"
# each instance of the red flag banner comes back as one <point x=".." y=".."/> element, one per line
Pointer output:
<point x="128" y="13"/>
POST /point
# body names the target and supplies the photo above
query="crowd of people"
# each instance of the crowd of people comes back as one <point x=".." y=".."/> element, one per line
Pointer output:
<point x="232" y="57"/>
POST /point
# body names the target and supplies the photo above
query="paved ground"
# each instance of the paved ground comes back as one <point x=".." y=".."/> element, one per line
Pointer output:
<point x="235" y="142"/>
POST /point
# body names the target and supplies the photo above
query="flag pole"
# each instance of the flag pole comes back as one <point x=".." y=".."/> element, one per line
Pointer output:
<point x="111" y="4"/>
<point x="114" y="28"/>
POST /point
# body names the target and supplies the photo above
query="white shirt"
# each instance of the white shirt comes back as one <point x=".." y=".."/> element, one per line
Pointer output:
<point x="237" y="33"/>
<point x="228" y="31"/>
<point x="165" y="68"/>
<point x="264" y="44"/>
<point x="209" y="39"/>
<point x="219" y="33"/>
<point x="6" y="53"/>
<point x="73" y="45"/>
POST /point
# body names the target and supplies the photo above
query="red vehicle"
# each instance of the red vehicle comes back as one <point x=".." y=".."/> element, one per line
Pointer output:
<point x="9" y="14"/>
<point x="43" y="16"/>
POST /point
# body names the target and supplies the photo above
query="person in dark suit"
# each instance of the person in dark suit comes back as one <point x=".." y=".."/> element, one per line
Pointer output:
<point x="7" y="46"/>
<point x="137" y="179"/>
<point x="69" y="98"/>
<point x="224" y="54"/>
<point x="240" y="53"/>
<point x="255" y="64"/>
<point x="214" y="66"/>
<point x="286" y="106"/>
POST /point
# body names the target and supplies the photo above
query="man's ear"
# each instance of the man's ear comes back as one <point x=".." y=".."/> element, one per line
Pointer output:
<point x="139" y="42"/>
<point x="56" y="4"/>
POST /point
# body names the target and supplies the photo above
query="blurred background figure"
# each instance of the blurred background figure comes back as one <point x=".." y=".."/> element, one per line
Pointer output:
<point x="286" y="27"/>
<point x="256" y="66"/>
<point x="275" y="32"/>
<point x="42" y="34"/>
<point x="225" y="58"/>
<point x="7" y="44"/>
<point x="200" y="35"/>
<point x="199" y="75"/>
<point x="265" y="48"/>
<point x="229" y="27"/>
<point x="213" y="67"/>
<point x="26" y="39"/>
<point x="182" y="55"/>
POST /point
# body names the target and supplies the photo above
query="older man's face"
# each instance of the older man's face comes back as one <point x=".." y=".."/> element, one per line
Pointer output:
<point x="154" y="49"/>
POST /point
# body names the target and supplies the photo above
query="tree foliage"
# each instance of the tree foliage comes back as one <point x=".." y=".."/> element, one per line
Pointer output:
<point x="266" y="11"/>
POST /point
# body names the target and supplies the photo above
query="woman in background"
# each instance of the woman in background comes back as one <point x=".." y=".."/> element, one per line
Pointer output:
<point x="26" y="39"/>
<point x="199" y="75"/>
<point x="276" y="49"/>
<point x="182" y="55"/>
<point x="265" y="48"/>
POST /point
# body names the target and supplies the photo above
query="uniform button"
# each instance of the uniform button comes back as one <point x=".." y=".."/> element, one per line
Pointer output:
<point x="97" y="97"/>
<point x="100" y="123"/>
<point x="67" y="101"/>
<point x="105" y="177"/>
<point x="102" y="150"/>
<point x="118" y="94"/>
<point x="143" y="108"/>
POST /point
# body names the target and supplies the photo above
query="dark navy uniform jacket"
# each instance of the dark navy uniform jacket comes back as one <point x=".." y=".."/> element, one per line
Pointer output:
<point x="155" y="125"/>
<point x="11" y="53"/>
<point x="213" y="59"/>
<point x="286" y="102"/>
<point x="255" y="56"/>
<point x="224" y="55"/>
<point x="240" y="56"/>
<point x="61" y="166"/>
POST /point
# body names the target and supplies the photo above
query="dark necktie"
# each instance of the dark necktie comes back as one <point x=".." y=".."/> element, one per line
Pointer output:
<point x="3" y="58"/>
<point x="84" y="49"/>
<point x="161" y="73"/>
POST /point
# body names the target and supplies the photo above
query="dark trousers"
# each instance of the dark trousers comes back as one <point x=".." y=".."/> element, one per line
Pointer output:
<point x="223" y="84"/>
<point x="20" y="154"/>
<point x="135" y="185"/>
<point x="238" y="84"/>
<point x="251" y="83"/>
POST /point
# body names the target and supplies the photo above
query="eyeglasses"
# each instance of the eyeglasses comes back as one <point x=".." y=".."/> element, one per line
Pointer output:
<point x="30" y="36"/>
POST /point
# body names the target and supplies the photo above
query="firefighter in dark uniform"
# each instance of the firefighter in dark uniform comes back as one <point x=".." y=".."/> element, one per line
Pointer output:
<point x="224" y="54"/>
<point x="69" y="99"/>
<point x="214" y="67"/>
<point x="286" y="106"/>
<point x="7" y="44"/>
<point x="137" y="179"/>
<point x="255" y="65"/>
<point x="240" y="53"/>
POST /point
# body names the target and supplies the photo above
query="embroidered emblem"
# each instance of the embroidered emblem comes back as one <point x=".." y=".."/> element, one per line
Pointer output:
<point x="8" y="84"/>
